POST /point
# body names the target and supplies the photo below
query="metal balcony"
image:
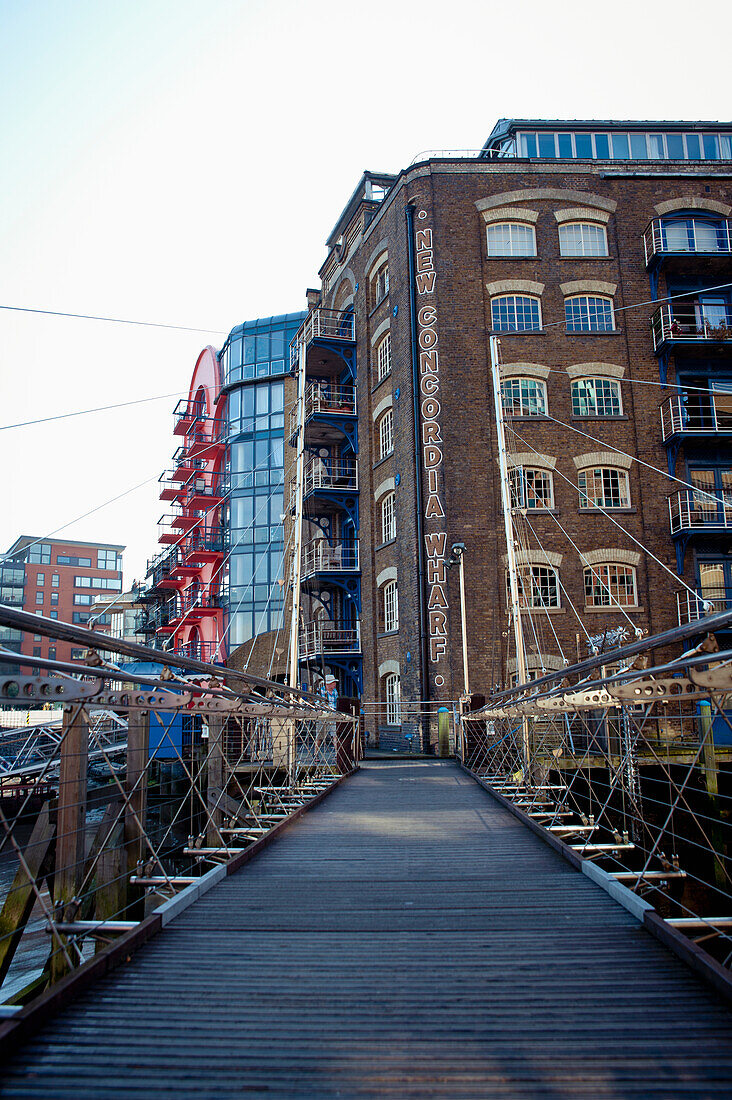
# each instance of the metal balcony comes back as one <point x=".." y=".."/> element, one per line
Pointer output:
<point x="692" y="606"/>
<point x="323" y="324"/>
<point x="205" y="545"/>
<point x="695" y="510"/>
<point x="320" y="557"/>
<point x="199" y="651"/>
<point x="671" y="325"/>
<point x="171" y="486"/>
<point x="662" y="239"/>
<point x="199" y="494"/>
<point x="322" y="639"/>
<point x="336" y="477"/>
<point x="713" y="419"/>
<point x="184" y="414"/>
<point x="329" y="401"/>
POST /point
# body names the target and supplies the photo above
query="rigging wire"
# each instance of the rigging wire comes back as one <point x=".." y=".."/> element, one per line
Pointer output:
<point x="113" y="320"/>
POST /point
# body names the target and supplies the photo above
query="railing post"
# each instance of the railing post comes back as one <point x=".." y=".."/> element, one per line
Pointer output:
<point x="71" y="823"/>
<point x="215" y="780"/>
<point x="138" y="752"/>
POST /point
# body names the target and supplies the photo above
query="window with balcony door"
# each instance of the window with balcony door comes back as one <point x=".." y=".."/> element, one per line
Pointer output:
<point x="511" y="239"/>
<point x="610" y="585"/>
<point x="393" y="698"/>
<point x="603" y="487"/>
<point x="710" y="501"/>
<point x="386" y="434"/>
<point x="538" y="587"/>
<point x="391" y="606"/>
<point x="523" y="397"/>
<point x="596" y="397"/>
<point x="388" y="517"/>
<point x="702" y="316"/>
<point x="582" y="239"/>
<point x="714" y="587"/>
<point x="694" y="234"/>
<point x="531" y="488"/>
<point x="589" y="313"/>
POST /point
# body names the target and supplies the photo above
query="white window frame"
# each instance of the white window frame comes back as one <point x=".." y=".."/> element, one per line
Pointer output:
<point x="532" y="601"/>
<point x="393" y="698"/>
<point x="577" y="398"/>
<point x="513" y="246"/>
<point x="587" y="229"/>
<point x="522" y="401"/>
<point x="386" y="434"/>
<point x="514" y="298"/>
<point x="391" y="606"/>
<point x="379" y="283"/>
<point x="586" y="299"/>
<point x="388" y="517"/>
<point x="383" y="357"/>
<point x="523" y="495"/>
<point x="603" y="584"/>
<point x="603" y="473"/>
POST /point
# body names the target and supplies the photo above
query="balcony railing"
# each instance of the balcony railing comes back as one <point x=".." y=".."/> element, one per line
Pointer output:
<point x="696" y="239"/>
<point x="337" y="477"/>
<point x="711" y="327"/>
<point x="323" y="324"/>
<point x="714" y="418"/>
<point x="199" y="651"/>
<point x="696" y="510"/>
<point x="205" y="544"/>
<point x="320" y="557"/>
<point x="196" y="602"/>
<point x="171" y="487"/>
<point x="184" y="414"/>
<point x="323" y="638"/>
<point x="692" y="606"/>
<point x="324" y="398"/>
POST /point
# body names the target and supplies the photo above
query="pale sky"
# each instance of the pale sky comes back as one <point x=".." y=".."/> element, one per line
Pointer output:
<point x="183" y="162"/>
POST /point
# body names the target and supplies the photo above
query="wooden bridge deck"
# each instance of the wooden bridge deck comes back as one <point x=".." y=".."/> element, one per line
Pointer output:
<point x="406" y="938"/>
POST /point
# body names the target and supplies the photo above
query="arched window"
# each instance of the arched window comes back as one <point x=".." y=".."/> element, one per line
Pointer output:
<point x="524" y="397"/>
<point x="516" y="313"/>
<point x="610" y="584"/>
<point x="379" y="283"/>
<point x="596" y="397"/>
<point x="511" y="239"/>
<point x="393" y="698"/>
<point x="603" y="487"/>
<point x="388" y="517"/>
<point x="386" y="433"/>
<point x="582" y="239"/>
<point x="531" y="488"/>
<point x="589" y="313"/>
<point x="538" y="586"/>
<point x="383" y="357"/>
<point x="391" y="606"/>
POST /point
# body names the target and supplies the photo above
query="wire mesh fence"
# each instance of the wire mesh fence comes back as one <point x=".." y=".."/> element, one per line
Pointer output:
<point x="114" y="801"/>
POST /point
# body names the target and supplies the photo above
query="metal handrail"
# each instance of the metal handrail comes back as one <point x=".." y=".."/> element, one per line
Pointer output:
<point x="329" y="637"/>
<point x="691" y="510"/>
<point x="692" y="606"/>
<point x="319" y="556"/>
<point x="655" y="240"/>
<point x="667" y="324"/>
<point x="676" y="417"/>
<point x="323" y="324"/>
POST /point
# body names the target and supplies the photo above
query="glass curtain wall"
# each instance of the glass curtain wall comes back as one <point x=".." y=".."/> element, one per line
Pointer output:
<point x="255" y="363"/>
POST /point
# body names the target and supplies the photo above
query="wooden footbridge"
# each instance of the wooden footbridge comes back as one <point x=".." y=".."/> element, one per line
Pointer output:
<point x="408" y="936"/>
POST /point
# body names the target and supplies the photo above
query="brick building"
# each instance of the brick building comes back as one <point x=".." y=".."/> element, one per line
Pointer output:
<point x="565" y="240"/>
<point x="59" y="579"/>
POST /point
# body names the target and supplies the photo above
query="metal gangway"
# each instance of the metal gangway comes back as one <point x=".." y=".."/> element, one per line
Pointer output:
<point x="271" y="915"/>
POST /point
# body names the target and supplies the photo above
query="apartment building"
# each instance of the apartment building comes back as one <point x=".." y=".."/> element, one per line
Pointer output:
<point x="600" y="255"/>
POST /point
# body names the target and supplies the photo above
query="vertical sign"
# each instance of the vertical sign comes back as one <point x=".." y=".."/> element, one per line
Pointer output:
<point x="435" y="535"/>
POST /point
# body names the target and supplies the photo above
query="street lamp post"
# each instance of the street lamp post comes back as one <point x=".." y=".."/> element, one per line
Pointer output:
<point x="457" y="551"/>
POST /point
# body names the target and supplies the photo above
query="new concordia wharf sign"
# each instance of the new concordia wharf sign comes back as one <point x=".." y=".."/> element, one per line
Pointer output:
<point x="435" y="535"/>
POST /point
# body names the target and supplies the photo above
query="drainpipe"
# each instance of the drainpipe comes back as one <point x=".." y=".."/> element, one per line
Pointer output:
<point x="423" y="666"/>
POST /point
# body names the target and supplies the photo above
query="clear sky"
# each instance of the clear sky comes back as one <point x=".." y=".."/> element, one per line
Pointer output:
<point x="182" y="161"/>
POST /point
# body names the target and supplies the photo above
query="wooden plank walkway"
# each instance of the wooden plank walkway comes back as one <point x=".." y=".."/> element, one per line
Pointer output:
<point x="406" y="938"/>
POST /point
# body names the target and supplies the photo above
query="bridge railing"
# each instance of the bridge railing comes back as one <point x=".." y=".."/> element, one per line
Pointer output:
<point x="127" y="789"/>
<point x="631" y="766"/>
